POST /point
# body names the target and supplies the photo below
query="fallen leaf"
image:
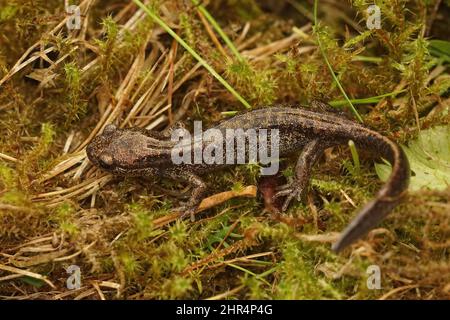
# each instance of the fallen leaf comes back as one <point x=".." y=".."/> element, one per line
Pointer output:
<point x="429" y="158"/>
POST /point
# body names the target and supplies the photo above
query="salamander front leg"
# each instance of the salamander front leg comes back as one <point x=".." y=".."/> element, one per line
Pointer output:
<point x="199" y="190"/>
<point x="298" y="188"/>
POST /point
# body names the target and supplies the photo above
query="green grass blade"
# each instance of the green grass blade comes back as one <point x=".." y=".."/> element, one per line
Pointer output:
<point x="205" y="64"/>
<point x="367" y="59"/>
<point x="374" y="99"/>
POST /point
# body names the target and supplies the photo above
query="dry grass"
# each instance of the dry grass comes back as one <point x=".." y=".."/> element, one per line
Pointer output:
<point x="60" y="88"/>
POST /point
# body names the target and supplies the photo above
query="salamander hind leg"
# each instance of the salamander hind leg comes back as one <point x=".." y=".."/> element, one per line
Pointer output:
<point x="298" y="188"/>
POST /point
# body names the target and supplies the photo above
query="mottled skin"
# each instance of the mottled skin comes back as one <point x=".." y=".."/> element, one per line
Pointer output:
<point x="140" y="152"/>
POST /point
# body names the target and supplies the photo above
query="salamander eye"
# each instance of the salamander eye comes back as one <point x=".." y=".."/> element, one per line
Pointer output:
<point x="110" y="128"/>
<point x="106" y="160"/>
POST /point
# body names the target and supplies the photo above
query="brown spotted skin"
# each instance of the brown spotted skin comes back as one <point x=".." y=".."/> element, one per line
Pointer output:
<point x="139" y="152"/>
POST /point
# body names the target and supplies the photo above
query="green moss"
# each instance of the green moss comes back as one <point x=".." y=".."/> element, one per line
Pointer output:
<point x="178" y="232"/>
<point x="188" y="31"/>
<point x="36" y="159"/>
<point x="258" y="85"/>
<point x="177" y="287"/>
<point x="7" y="177"/>
<point x="75" y="108"/>
<point x="8" y="12"/>
<point x="14" y="197"/>
<point x="130" y="264"/>
<point x="297" y="276"/>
